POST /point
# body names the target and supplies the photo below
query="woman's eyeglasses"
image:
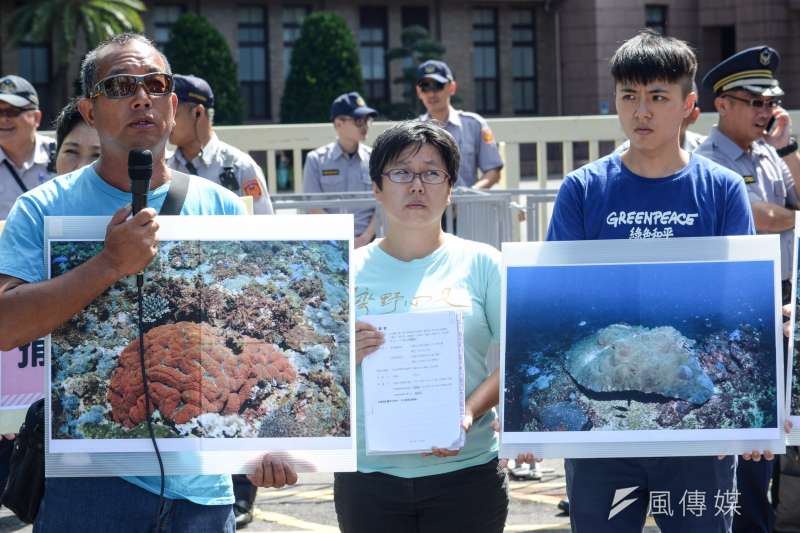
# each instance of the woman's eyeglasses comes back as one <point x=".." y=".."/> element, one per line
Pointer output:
<point x="431" y="177"/>
<point x="124" y="85"/>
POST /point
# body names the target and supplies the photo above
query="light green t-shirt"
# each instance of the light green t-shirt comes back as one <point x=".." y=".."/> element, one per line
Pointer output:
<point x="461" y="275"/>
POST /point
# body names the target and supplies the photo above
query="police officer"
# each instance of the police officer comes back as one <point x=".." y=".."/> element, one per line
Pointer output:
<point x="343" y="165"/>
<point x="435" y="87"/>
<point x="201" y="153"/>
<point x="26" y="158"/>
<point x="753" y="138"/>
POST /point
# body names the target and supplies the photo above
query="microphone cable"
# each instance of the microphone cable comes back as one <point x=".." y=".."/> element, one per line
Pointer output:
<point x="148" y="417"/>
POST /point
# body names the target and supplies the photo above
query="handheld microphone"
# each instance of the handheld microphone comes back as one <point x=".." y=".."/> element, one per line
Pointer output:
<point x="140" y="169"/>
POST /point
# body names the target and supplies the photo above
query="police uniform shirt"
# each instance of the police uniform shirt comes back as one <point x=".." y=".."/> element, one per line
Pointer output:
<point x="765" y="174"/>
<point x="211" y="163"/>
<point x="475" y="143"/>
<point x="329" y="169"/>
<point x="32" y="173"/>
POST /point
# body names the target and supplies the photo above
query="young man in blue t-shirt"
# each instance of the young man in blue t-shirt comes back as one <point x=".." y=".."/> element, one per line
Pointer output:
<point x="654" y="189"/>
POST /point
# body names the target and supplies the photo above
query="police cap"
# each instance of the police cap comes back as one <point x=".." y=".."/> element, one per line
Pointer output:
<point x="752" y="70"/>
<point x="352" y="105"/>
<point x="18" y="92"/>
<point x="192" y="89"/>
<point x="435" y="70"/>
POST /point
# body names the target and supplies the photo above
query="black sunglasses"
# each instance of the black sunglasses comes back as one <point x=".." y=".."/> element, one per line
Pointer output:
<point x="124" y="85"/>
<point x="431" y="86"/>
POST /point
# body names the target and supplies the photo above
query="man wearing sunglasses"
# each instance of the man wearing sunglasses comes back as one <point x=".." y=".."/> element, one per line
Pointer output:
<point x="201" y="153"/>
<point x="128" y="99"/>
<point x="753" y="138"/>
<point x="476" y="143"/>
<point x="343" y="165"/>
<point x="25" y="156"/>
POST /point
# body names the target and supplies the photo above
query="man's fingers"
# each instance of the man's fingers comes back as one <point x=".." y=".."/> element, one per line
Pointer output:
<point x="768" y="455"/>
<point x="291" y="475"/>
<point x="278" y="475"/>
<point x="144" y="216"/>
<point x="257" y="477"/>
<point x="120" y="215"/>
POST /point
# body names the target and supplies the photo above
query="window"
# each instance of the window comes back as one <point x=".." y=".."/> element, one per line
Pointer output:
<point x="655" y="18"/>
<point x="484" y="37"/>
<point x="727" y="41"/>
<point x="523" y="61"/>
<point x="34" y="66"/>
<point x="415" y="16"/>
<point x="292" y="20"/>
<point x="164" y="16"/>
<point x="372" y="47"/>
<point x="253" y="79"/>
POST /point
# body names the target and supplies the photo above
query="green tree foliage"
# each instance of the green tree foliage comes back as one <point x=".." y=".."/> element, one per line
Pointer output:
<point x="64" y="20"/>
<point x="417" y="47"/>
<point x="324" y="65"/>
<point x="196" y="47"/>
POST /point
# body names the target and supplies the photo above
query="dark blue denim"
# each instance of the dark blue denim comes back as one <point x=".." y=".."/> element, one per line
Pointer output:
<point x="592" y="483"/>
<point x="95" y="504"/>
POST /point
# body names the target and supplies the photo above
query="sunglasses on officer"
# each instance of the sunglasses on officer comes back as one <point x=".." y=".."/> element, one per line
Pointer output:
<point x="125" y="85"/>
<point x="359" y="122"/>
<point x="14" y="112"/>
<point x="428" y="86"/>
<point x="755" y="103"/>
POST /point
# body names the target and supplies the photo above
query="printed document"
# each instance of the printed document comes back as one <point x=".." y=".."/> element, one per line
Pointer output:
<point x="414" y="383"/>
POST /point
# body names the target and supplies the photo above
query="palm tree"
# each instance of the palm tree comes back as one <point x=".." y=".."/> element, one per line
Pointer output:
<point x="64" y="20"/>
<point x="67" y="21"/>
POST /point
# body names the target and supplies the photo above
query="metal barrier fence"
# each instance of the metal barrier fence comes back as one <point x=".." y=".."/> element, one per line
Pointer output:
<point x="280" y="147"/>
<point x="492" y="217"/>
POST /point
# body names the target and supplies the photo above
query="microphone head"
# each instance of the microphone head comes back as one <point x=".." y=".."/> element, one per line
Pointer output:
<point x="140" y="164"/>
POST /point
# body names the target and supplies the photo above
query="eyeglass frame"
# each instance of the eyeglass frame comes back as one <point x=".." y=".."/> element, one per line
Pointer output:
<point x="428" y="86"/>
<point x="762" y="104"/>
<point x="96" y="90"/>
<point x="360" y="121"/>
<point x="415" y="175"/>
<point x="13" y="112"/>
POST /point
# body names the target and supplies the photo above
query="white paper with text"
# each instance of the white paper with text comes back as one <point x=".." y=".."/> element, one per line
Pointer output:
<point x="414" y="383"/>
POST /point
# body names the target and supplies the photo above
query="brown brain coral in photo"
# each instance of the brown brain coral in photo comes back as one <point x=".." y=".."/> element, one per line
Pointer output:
<point x="184" y="384"/>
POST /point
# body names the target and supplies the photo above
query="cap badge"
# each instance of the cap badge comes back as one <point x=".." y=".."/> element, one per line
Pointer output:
<point x="360" y="102"/>
<point x="429" y="69"/>
<point x="765" y="56"/>
<point x="7" y="86"/>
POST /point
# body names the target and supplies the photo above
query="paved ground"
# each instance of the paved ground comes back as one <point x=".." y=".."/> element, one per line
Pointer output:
<point x="308" y="507"/>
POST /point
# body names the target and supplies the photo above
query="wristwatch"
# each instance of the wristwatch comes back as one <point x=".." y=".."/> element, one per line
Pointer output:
<point x="789" y="148"/>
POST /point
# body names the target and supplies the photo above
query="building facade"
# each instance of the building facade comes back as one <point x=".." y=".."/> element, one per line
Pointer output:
<point x="509" y="57"/>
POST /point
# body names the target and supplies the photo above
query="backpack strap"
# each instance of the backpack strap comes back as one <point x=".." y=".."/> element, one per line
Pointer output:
<point x="176" y="194"/>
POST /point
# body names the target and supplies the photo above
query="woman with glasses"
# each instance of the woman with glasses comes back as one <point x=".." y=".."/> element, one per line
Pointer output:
<point x="418" y="267"/>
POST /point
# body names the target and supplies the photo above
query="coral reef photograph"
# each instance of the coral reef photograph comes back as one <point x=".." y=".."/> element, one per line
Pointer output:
<point x="647" y="346"/>
<point x="241" y="339"/>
